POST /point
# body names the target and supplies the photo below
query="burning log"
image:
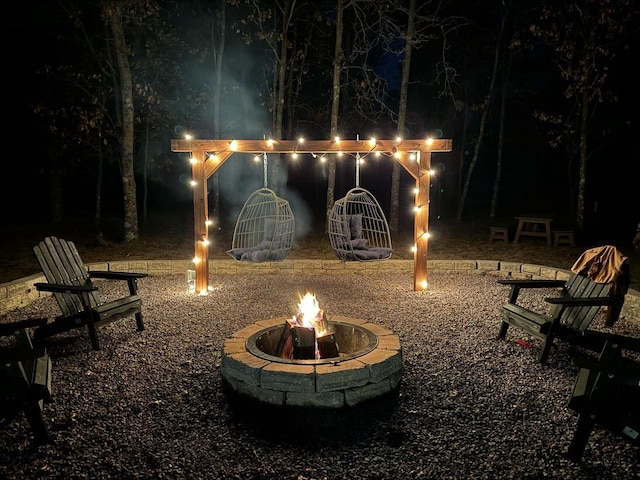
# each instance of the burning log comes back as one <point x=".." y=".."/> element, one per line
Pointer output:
<point x="327" y="346"/>
<point x="304" y="343"/>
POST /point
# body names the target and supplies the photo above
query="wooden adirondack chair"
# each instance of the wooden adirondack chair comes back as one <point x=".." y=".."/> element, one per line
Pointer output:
<point x="570" y="313"/>
<point x="70" y="282"/>
<point x="606" y="392"/>
<point x="25" y="377"/>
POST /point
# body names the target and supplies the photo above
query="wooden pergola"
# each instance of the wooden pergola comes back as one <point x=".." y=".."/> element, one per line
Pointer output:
<point x="207" y="156"/>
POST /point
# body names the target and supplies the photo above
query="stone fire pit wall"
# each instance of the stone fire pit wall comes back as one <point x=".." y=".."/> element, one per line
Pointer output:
<point x="334" y="385"/>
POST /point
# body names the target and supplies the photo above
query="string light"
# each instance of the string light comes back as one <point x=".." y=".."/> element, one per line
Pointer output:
<point x="193" y="183"/>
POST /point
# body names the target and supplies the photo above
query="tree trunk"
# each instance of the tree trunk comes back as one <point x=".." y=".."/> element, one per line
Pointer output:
<point x="112" y="12"/>
<point x="402" y="115"/>
<point x="335" y="106"/>
<point x="503" y="109"/>
<point x="483" y="123"/>
<point x="218" y="49"/>
<point x="582" y="179"/>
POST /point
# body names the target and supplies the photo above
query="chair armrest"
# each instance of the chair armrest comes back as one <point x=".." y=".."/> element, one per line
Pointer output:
<point x="7" y="329"/>
<point x="516" y="285"/>
<point x="539" y="283"/>
<point x="116" y="275"/>
<point x="582" y="301"/>
<point x="58" y="288"/>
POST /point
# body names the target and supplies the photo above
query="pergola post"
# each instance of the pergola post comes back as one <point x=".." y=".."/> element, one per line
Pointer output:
<point x="200" y="224"/>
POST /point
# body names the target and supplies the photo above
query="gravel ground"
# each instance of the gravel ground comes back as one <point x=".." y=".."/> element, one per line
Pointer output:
<point x="152" y="404"/>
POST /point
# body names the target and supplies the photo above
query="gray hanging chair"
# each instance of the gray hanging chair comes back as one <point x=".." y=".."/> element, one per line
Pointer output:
<point x="265" y="227"/>
<point x="358" y="228"/>
<point x="264" y="230"/>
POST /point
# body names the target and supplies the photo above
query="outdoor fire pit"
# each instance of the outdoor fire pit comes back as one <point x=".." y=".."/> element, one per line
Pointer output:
<point x="328" y="362"/>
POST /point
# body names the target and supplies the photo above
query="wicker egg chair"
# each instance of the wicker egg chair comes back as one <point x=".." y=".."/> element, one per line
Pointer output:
<point x="358" y="228"/>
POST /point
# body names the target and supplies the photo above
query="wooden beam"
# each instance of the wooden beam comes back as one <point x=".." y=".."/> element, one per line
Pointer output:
<point x="311" y="146"/>
<point x="200" y="228"/>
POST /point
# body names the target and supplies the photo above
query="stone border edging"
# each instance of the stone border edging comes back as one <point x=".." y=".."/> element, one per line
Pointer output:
<point x="21" y="292"/>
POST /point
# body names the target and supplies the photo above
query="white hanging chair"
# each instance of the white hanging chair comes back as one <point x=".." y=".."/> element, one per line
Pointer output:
<point x="265" y="227"/>
<point x="358" y="228"/>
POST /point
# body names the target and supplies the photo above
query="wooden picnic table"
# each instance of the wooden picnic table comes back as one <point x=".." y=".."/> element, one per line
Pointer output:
<point x="534" y="227"/>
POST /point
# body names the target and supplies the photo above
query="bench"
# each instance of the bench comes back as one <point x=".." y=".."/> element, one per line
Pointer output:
<point x="606" y="392"/>
<point x="25" y="376"/>
<point x="499" y="234"/>
<point x="569" y="315"/>
<point x="563" y="237"/>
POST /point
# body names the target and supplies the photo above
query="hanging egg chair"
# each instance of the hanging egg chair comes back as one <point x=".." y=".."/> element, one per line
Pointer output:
<point x="358" y="228"/>
<point x="265" y="227"/>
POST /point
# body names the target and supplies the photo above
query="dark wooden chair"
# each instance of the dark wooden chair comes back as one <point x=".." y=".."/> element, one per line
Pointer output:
<point x="570" y="313"/>
<point x="606" y="392"/>
<point x="25" y="377"/>
<point x="70" y="281"/>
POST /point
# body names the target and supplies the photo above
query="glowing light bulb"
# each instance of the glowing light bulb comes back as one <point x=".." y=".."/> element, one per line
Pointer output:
<point x="424" y="284"/>
<point x="413" y="156"/>
<point x="256" y="158"/>
<point x="414" y="249"/>
<point x="294" y="155"/>
<point x="372" y="142"/>
<point x="397" y="154"/>
<point x="416" y="208"/>
<point x="429" y="141"/>
<point x="416" y="191"/>
<point x="336" y="138"/>
<point x="195" y="260"/>
<point x="206" y="242"/>
<point x="398" y="139"/>
<point x="193" y="183"/>
<point x="208" y="222"/>
<point x="340" y="154"/>
<point x="233" y="145"/>
<point x="188" y="136"/>
<point x="270" y="142"/>
<point x="301" y="140"/>
<point x="192" y="160"/>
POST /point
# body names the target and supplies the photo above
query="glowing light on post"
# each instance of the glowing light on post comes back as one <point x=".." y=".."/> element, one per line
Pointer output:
<point x="429" y="141"/>
<point x="188" y="136"/>
<point x="336" y="139"/>
<point x="193" y="183"/>
<point x="301" y="140"/>
<point x="192" y="160"/>
<point x="373" y="142"/>
<point x="195" y="260"/>
<point x="233" y="145"/>
<point x="208" y="223"/>
<point x="270" y="142"/>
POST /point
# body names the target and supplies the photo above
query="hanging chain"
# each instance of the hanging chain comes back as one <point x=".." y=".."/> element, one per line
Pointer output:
<point x="265" y="164"/>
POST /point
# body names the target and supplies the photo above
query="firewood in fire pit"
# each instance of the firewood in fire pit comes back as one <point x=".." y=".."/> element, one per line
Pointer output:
<point x="304" y="343"/>
<point x="327" y="346"/>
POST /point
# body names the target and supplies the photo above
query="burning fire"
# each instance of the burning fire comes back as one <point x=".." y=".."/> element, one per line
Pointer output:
<point x="310" y="315"/>
<point x="307" y="335"/>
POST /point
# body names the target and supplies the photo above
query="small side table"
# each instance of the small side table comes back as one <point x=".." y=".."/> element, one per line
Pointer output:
<point x="534" y="227"/>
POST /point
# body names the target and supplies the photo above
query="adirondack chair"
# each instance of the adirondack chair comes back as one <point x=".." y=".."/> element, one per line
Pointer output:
<point x="71" y="284"/>
<point x="25" y="376"/>
<point x="569" y="316"/>
<point x="606" y="392"/>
